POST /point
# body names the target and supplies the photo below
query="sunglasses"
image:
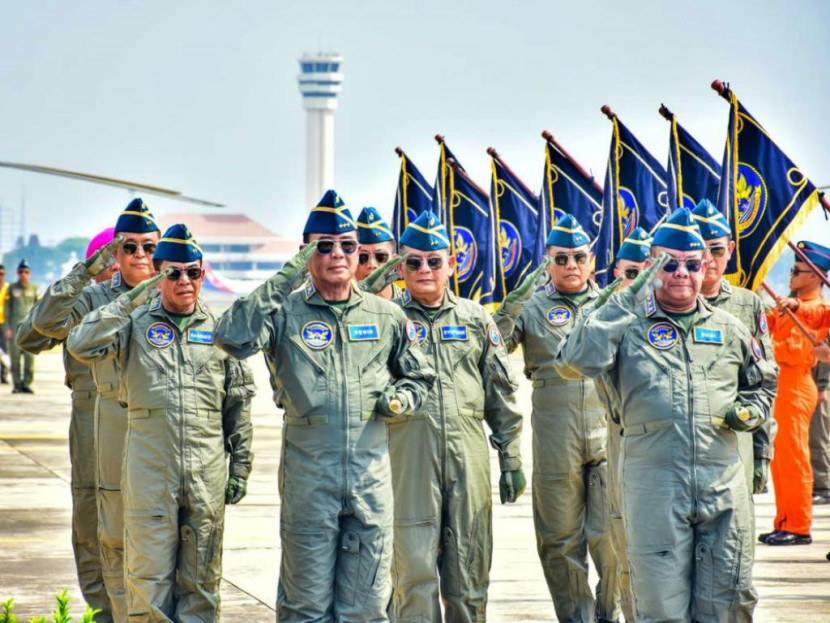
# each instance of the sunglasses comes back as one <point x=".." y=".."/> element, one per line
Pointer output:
<point x="631" y="273"/>
<point x="692" y="265"/>
<point x="193" y="273"/>
<point x="414" y="263"/>
<point x="795" y="271"/>
<point x="381" y="257"/>
<point x="324" y="247"/>
<point x="561" y="259"/>
<point x="130" y="248"/>
<point x="717" y="252"/>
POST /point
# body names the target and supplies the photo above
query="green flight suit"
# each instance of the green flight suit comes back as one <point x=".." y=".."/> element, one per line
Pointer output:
<point x="20" y="300"/>
<point x="189" y="408"/>
<point x="328" y="367"/>
<point x="82" y="461"/>
<point x="62" y="307"/>
<point x="569" y="460"/>
<point x="441" y="464"/>
<point x="685" y="500"/>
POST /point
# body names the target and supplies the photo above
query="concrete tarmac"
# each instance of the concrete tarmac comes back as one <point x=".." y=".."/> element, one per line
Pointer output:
<point x="36" y="554"/>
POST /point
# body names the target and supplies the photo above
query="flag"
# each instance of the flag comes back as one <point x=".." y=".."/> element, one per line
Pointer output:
<point x="441" y="190"/>
<point x="692" y="173"/>
<point x="763" y="195"/>
<point x="413" y="196"/>
<point x="634" y="196"/>
<point x="519" y="239"/>
<point x="568" y="189"/>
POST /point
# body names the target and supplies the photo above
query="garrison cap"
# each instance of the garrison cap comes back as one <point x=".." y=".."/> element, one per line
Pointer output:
<point x="329" y="216"/>
<point x="636" y="247"/>
<point x="679" y="232"/>
<point x="136" y="219"/>
<point x="177" y="245"/>
<point x="371" y="227"/>
<point x="426" y="233"/>
<point x="817" y="254"/>
<point x="24" y="264"/>
<point x="568" y="233"/>
<point x="710" y="221"/>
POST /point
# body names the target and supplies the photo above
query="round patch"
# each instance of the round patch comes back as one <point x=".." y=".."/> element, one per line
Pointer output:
<point x="510" y="244"/>
<point x="756" y="349"/>
<point x="420" y="332"/>
<point x="17" y="293"/>
<point x="160" y="335"/>
<point x="317" y="335"/>
<point x="762" y="324"/>
<point x="662" y="335"/>
<point x="494" y="335"/>
<point x="558" y="316"/>
<point x="751" y="195"/>
<point x="466" y="253"/>
<point x="628" y="211"/>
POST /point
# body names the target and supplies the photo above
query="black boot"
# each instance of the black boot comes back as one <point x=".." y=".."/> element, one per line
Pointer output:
<point x="788" y="538"/>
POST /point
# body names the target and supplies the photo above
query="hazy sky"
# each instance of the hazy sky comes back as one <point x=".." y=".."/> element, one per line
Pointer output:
<point x="202" y="96"/>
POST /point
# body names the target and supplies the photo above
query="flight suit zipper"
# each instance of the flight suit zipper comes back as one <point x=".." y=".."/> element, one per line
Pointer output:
<point x="440" y="397"/>
<point x="693" y="436"/>
<point x="345" y="393"/>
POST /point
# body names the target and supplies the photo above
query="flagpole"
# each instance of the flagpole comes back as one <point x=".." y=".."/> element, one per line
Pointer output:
<point x="723" y="90"/>
<point x="803" y="257"/>
<point x="457" y="168"/>
<point x="549" y="138"/>
<point x="666" y="113"/>
<point x="792" y="316"/>
<point x="492" y="152"/>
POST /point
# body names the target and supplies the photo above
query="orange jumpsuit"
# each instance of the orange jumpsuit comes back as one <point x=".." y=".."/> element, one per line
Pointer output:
<point x="795" y="402"/>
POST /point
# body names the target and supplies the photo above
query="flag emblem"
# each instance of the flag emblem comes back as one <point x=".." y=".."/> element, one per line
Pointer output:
<point x="751" y="196"/>
<point x="628" y="211"/>
<point x="510" y="245"/>
<point x="466" y="253"/>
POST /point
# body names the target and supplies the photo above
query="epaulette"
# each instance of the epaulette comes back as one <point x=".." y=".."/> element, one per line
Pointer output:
<point x="650" y="305"/>
<point x="115" y="281"/>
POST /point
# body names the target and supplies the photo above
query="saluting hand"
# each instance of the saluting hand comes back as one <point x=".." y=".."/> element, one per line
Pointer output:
<point x="529" y="284"/>
<point x="144" y="290"/>
<point x="104" y="257"/>
<point x="385" y="274"/>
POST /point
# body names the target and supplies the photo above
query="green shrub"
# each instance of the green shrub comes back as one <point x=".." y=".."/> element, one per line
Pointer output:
<point x="60" y="615"/>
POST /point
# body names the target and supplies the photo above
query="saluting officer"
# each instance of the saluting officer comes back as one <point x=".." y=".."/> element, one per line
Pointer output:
<point x="341" y="362"/>
<point x="189" y="402"/>
<point x="20" y="299"/>
<point x="569" y="459"/>
<point x="377" y="246"/>
<point x="688" y="377"/>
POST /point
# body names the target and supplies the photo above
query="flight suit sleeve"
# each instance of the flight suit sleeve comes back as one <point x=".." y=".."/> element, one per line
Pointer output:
<point x="591" y="347"/>
<point x="62" y="306"/>
<point x="757" y="380"/>
<point x="500" y="408"/>
<point x="508" y="319"/>
<point x="814" y="316"/>
<point x="236" y="416"/>
<point x="408" y="363"/>
<point x="30" y="339"/>
<point x="764" y="436"/>
<point x="103" y="333"/>
<point x="246" y="327"/>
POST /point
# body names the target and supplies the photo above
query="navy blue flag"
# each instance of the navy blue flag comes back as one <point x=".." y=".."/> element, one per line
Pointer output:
<point x="635" y="196"/>
<point x="568" y="189"/>
<point x="519" y="238"/>
<point x="693" y="173"/>
<point x="413" y="196"/>
<point x="763" y="195"/>
<point x="441" y="190"/>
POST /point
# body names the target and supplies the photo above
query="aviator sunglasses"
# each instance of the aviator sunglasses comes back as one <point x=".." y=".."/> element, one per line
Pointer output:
<point x="324" y="247"/>
<point x="193" y="273"/>
<point x="130" y="248"/>
<point x="631" y="273"/>
<point x="381" y="257"/>
<point x="692" y="265"/>
<point x="561" y="259"/>
<point x="717" y="251"/>
<point x="795" y="271"/>
<point x="414" y="264"/>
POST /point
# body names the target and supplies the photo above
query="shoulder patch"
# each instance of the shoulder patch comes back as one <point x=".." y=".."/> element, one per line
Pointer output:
<point x="316" y="335"/>
<point x="494" y="335"/>
<point x="662" y="335"/>
<point x="115" y="281"/>
<point x="559" y="315"/>
<point x="702" y="335"/>
<point x="757" y="349"/>
<point x="411" y="331"/>
<point x="199" y="336"/>
<point x="160" y="335"/>
<point x="762" y="324"/>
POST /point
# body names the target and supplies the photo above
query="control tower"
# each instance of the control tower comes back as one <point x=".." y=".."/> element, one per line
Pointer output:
<point x="320" y="83"/>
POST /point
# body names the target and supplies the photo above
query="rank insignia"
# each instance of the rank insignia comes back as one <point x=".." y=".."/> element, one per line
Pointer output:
<point x="199" y="336"/>
<point x="651" y="306"/>
<point x="406" y="297"/>
<point x="363" y="332"/>
<point x="662" y="335"/>
<point x="156" y="304"/>
<point x="115" y="281"/>
<point x="703" y="335"/>
<point x="454" y="333"/>
<point x="317" y="335"/>
<point x="558" y="316"/>
<point x="550" y="288"/>
<point x="308" y="288"/>
<point x="160" y="335"/>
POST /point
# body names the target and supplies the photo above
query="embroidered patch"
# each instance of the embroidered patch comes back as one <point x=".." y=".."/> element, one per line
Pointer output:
<point x="411" y="331"/>
<point x="317" y="335"/>
<point x="160" y="335"/>
<point x="420" y="332"/>
<point x="308" y="289"/>
<point x="156" y="304"/>
<point x="762" y="324"/>
<point x="363" y="332"/>
<point x="702" y="335"/>
<point x="454" y="333"/>
<point x="757" y="349"/>
<point x="662" y="335"/>
<point x="406" y="297"/>
<point x="199" y="336"/>
<point x="550" y="288"/>
<point x="651" y="306"/>
<point x="558" y="316"/>
<point x="494" y="335"/>
<point x="115" y="281"/>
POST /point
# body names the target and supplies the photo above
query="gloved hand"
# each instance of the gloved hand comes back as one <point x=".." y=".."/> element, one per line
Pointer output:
<point x="294" y="269"/>
<point x="529" y="284"/>
<point x="760" y="475"/>
<point x="383" y="275"/>
<point x="144" y="290"/>
<point x="511" y="485"/>
<point x="742" y="417"/>
<point x="104" y="257"/>
<point x="236" y="490"/>
<point x="648" y="275"/>
<point x="393" y="403"/>
<point x="603" y="296"/>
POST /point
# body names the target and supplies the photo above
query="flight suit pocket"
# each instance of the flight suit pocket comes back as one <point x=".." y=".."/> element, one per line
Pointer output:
<point x="359" y="565"/>
<point x="450" y="564"/>
<point x="704" y="579"/>
<point x="480" y="556"/>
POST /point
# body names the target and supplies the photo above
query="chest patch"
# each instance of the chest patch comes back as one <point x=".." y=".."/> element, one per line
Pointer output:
<point x="199" y="336"/>
<point x="662" y="335"/>
<point x="558" y="316"/>
<point x="17" y="293"/>
<point x="420" y="332"/>
<point x="160" y="335"/>
<point x="363" y="332"/>
<point x="317" y="335"/>
<point x="702" y="335"/>
<point x="454" y="333"/>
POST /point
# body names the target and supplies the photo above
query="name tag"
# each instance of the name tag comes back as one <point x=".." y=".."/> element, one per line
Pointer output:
<point x="198" y="336"/>
<point x="363" y="332"/>
<point x="450" y="333"/>
<point x="708" y="336"/>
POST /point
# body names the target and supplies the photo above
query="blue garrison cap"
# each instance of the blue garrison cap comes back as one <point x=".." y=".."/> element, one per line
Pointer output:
<point x="426" y="233"/>
<point x="329" y="216"/>
<point x="636" y="247"/>
<point x="371" y="227"/>
<point x="177" y="245"/>
<point x="24" y="264"/>
<point x="679" y="232"/>
<point x="817" y="254"/>
<point x="710" y="221"/>
<point x="136" y="219"/>
<point x="568" y="233"/>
